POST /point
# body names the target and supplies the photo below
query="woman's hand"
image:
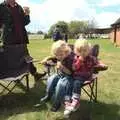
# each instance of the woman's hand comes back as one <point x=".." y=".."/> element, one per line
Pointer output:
<point x="26" y="10"/>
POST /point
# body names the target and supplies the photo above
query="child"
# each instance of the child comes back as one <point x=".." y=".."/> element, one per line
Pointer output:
<point x="83" y="66"/>
<point x="57" y="82"/>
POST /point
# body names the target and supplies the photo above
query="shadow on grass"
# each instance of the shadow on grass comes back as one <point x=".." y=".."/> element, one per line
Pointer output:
<point x="95" y="111"/>
<point x="18" y="103"/>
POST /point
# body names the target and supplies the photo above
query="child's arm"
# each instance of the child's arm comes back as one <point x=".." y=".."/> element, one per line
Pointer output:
<point x="49" y="60"/>
<point x="100" y="66"/>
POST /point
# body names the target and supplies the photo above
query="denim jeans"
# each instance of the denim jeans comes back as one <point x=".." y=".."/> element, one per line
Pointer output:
<point x="60" y="86"/>
<point x="63" y="89"/>
<point x="77" y="85"/>
<point x="51" y="84"/>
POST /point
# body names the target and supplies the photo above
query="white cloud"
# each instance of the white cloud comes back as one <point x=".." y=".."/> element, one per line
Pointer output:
<point x="50" y="11"/>
<point x="1" y="1"/>
<point x="105" y="3"/>
<point x="106" y="19"/>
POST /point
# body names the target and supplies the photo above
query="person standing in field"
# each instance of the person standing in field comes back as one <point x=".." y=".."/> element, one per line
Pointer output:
<point x="13" y="19"/>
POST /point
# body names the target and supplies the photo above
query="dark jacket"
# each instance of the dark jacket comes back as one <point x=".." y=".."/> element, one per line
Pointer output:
<point x="6" y="22"/>
<point x="57" y="36"/>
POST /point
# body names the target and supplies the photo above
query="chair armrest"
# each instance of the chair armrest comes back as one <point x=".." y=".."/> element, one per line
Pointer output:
<point x="100" y="67"/>
<point x="90" y="80"/>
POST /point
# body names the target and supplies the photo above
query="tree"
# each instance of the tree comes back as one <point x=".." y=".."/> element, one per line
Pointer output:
<point x="40" y="32"/>
<point x="51" y="30"/>
<point x="76" y="27"/>
<point x="92" y="24"/>
<point x="63" y="28"/>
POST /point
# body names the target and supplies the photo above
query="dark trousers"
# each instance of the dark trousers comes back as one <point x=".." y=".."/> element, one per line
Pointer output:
<point x="32" y="69"/>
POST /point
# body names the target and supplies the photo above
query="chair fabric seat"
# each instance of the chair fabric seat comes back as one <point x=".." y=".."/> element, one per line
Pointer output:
<point x="17" y="77"/>
<point x="89" y="81"/>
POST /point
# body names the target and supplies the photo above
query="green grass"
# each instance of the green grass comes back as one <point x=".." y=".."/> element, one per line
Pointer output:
<point x="20" y="106"/>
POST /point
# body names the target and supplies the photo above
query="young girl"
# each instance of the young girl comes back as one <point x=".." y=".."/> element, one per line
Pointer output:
<point x="59" y="82"/>
<point x="83" y="66"/>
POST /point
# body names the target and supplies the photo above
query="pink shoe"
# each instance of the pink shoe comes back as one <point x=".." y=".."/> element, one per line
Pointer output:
<point x="67" y="110"/>
<point x="75" y="104"/>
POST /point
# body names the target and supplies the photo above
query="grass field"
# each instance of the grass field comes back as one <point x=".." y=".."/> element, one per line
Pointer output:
<point x="21" y="105"/>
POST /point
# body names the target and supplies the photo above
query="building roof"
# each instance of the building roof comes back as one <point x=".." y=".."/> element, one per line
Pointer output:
<point x="117" y="22"/>
<point x="99" y="30"/>
<point x="103" y="30"/>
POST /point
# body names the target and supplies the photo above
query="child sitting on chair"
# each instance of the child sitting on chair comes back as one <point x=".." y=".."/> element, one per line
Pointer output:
<point x="83" y="66"/>
<point x="57" y="82"/>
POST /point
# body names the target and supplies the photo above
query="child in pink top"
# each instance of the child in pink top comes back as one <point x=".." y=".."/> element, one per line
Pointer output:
<point x="83" y="66"/>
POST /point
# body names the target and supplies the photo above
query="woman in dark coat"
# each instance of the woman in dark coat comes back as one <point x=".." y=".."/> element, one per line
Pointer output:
<point x="13" y="19"/>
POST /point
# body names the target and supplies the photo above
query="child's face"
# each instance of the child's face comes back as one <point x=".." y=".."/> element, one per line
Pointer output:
<point x="61" y="55"/>
<point x="83" y="52"/>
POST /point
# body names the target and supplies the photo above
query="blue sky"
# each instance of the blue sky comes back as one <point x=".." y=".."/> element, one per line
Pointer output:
<point x="44" y="13"/>
<point x="37" y="1"/>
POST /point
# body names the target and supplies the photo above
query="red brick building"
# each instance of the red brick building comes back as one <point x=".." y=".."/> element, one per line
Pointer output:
<point x="115" y="32"/>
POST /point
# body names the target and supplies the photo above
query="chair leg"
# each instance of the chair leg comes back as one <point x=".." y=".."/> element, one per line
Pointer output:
<point x="5" y="88"/>
<point x="92" y="94"/>
<point x="48" y="69"/>
<point x="89" y="95"/>
<point x="27" y="82"/>
<point x="91" y="91"/>
<point x="20" y="84"/>
<point x="93" y="88"/>
<point x="14" y="85"/>
<point x="96" y="90"/>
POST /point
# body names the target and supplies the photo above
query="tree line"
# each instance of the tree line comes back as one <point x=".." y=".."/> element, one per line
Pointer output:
<point x="73" y="28"/>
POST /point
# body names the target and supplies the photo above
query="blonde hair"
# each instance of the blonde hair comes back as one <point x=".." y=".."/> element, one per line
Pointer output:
<point x="82" y="47"/>
<point x="60" y="46"/>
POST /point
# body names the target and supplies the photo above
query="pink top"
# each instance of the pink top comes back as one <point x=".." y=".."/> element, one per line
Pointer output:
<point x="84" y="68"/>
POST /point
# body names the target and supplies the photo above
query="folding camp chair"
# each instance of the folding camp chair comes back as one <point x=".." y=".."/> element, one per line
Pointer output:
<point x="6" y="83"/>
<point x="13" y="68"/>
<point x="91" y="84"/>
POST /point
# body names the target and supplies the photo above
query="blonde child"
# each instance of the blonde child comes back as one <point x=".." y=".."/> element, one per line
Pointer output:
<point x="83" y="66"/>
<point x="59" y="82"/>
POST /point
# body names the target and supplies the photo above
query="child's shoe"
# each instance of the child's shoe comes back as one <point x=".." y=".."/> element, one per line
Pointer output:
<point x="75" y="104"/>
<point x="67" y="110"/>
